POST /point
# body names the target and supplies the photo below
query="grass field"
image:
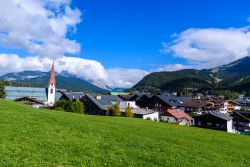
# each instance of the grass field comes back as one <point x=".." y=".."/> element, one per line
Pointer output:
<point x="32" y="137"/>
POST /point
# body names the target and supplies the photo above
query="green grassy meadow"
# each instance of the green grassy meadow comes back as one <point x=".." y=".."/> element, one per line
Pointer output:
<point x="33" y="137"/>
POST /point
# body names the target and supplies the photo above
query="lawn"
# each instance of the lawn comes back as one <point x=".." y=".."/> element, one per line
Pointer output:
<point x="33" y="137"/>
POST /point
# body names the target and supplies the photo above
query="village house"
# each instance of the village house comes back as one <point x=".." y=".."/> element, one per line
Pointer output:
<point x="241" y="121"/>
<point x="197" y="105"/>
<point x="142" y="100"/>
<point x="97" y="104"/>
<point x="225" y="106"/>
<point x="243" y="101"/>
<point x="138" y="112"/>
<point x="176" y="116"/>
<point x="166" y="101"/>
<point x="215" y="120"/>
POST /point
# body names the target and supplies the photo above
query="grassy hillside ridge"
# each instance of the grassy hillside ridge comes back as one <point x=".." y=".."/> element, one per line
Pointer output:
<point x="32" y="137"/>
<point x="234" y="76"/>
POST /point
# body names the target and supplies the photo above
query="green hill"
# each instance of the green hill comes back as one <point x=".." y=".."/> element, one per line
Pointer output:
<point x="32" y="137"/>
<point x="234" y="76"/>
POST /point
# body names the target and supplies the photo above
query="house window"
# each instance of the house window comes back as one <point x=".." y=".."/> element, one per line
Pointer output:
<point x="51" y="91"/>
<point x="209" y="124"/>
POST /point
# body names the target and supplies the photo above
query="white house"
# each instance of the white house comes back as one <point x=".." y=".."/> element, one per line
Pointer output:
<point x="176" y="116"/>
<point x="143" y="113"/>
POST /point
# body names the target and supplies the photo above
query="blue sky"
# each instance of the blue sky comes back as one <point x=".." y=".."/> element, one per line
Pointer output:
<point x="129" y="33"/>
<point x="118" y="42"/>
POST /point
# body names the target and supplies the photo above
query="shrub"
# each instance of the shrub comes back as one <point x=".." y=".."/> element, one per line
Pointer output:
<point x="128" y="112"/>
<point x="114" y="110"/>
<point x="69" y="106"/>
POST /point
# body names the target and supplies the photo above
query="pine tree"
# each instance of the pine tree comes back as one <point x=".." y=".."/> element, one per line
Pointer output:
<point x="2" y="91"/>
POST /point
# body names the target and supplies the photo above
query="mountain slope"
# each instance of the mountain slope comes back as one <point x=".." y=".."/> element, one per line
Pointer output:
<point x="33" y="137"/>
<point x="64" y="80"/>
<point x="234" y="76"/>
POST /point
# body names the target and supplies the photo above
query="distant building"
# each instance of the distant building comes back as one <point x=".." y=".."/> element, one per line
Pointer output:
<point x="198" y="96"/>
<point x="176" y="116"/>
<point x="215" y="120"/>
<point x="166" y="101"/>
<point x="142" y="99"/>
<point x="197" y="105"/>
<point x="225" y="106"/>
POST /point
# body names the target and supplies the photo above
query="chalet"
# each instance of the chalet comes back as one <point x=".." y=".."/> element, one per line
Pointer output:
<point x="197" y="105"/>
<point x="241" y="120"/>
<point x="225" y="106"/>
<point x="167" y="101"/>
<point x="29" y="101"/>
<point x="142" y="99"/>
<point x="176" y="116"/>
<point x="215" y="120"/>
<point x="97" y="104"/>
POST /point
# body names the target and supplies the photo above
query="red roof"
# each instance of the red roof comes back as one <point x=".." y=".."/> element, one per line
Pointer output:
<point x="178" y="114"/>
<point x="52" y="79"/>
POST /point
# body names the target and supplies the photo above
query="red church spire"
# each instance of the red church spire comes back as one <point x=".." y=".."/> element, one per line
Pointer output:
<point x="52" y="80"/>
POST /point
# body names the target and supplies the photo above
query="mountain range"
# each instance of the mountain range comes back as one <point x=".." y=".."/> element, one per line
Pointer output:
<point x="234" y="76"/>
<point x="64" y="81"/>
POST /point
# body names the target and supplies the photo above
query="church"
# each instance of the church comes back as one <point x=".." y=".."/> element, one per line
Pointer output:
<point x="37" y="97"/>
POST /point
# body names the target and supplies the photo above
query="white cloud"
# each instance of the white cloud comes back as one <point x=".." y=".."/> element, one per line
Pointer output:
<point x="210" y="47"/>
<point x="120" y="77"/>
<point x="39" y="27"/>
<point x="173" y="67"/>
<point x="86" y="69"/>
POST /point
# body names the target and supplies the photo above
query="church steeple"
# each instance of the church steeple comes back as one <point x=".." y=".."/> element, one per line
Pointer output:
<point x="52" y="87"/>
<point x="52" y="80"/>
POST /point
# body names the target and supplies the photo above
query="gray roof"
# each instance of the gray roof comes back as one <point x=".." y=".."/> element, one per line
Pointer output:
<point x="173" y="100"/>
<point x="221" y="115"/>
<point x="105" y="101"/>
<point x="73" y="95"/>
<point x="142" y="111"/>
